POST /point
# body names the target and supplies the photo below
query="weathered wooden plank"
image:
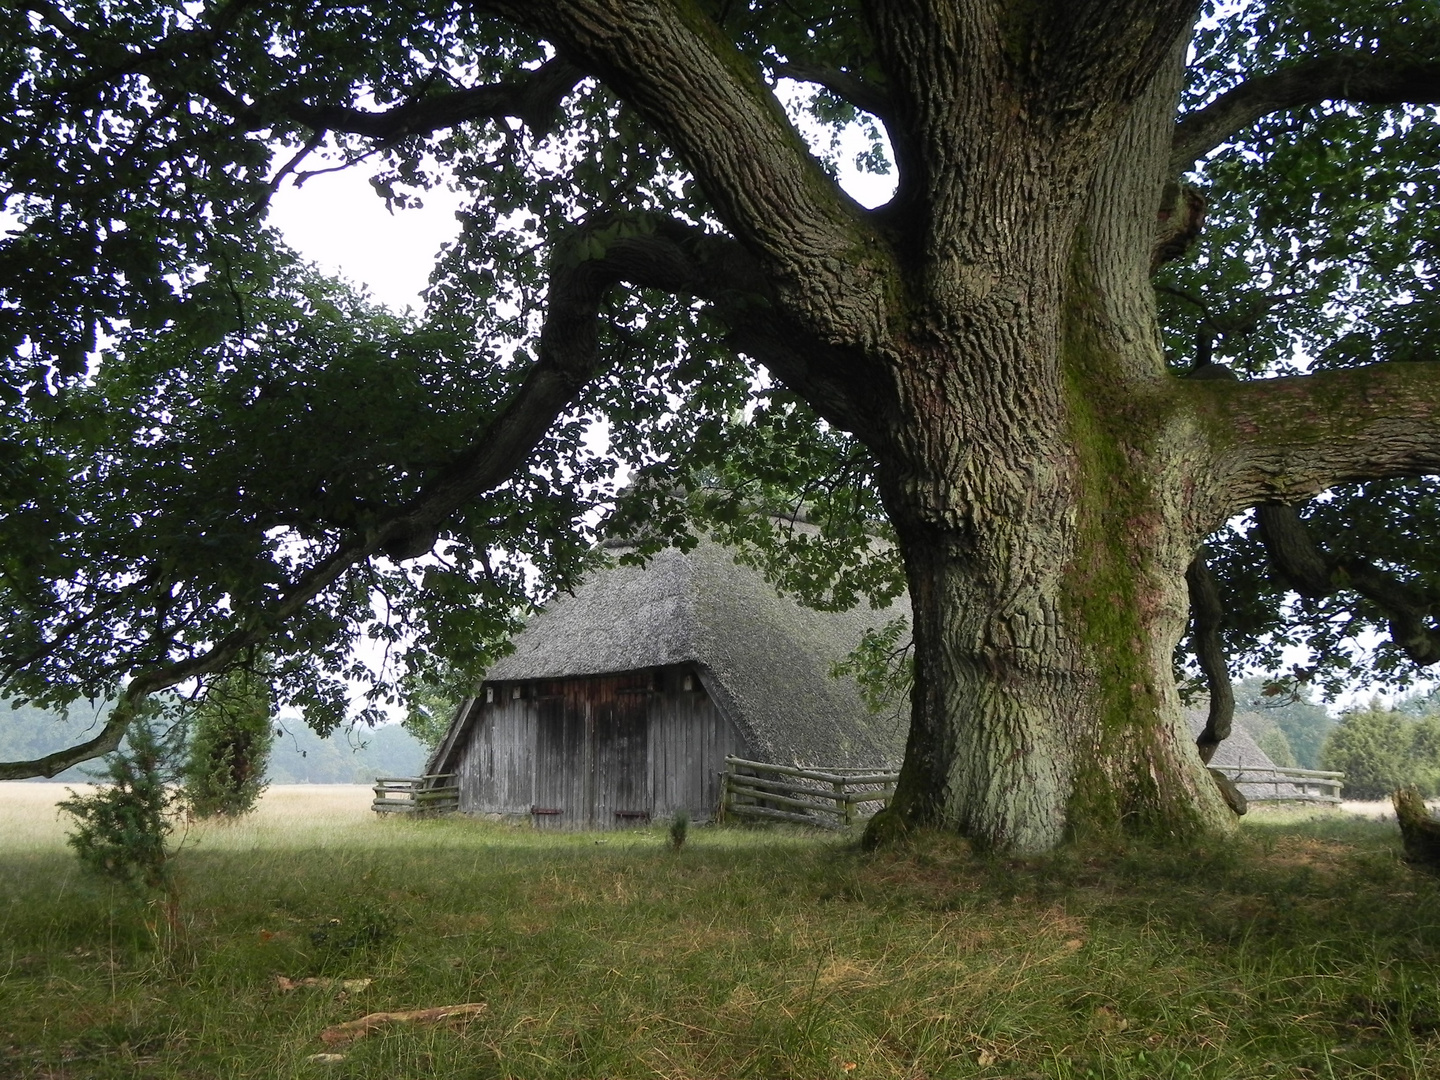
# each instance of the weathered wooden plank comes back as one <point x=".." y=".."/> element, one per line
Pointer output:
<point x="883" y="795"/>
<point x="785" y="787"/>
<point x="413" y="779"/>
<point x="743" y="810"/>
<point x="790" y="786"/>
<point x="815" y="774"/>
<point x="738" y="788"/>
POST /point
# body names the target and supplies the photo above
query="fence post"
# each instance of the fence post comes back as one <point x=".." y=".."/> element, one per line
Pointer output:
<point x="724" y="794"/>
<point x="845" y="803"/>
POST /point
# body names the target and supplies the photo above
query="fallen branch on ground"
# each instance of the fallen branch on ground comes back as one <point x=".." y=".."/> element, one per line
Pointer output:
<point x="348" y="1032"/>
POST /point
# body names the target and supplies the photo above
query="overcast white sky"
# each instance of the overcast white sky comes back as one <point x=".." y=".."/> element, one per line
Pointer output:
<point x="337" y="221"/>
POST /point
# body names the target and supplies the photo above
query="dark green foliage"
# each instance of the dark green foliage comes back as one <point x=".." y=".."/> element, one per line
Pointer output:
<point x="230" y="737"/>
<point x="122" y="829"/>
<point x="431" y="697"/>
<point x="679" y="828"/>
<point x="1319" y="251"/>
<point x="1382" y="750"/>
<point x="882" y="666"/>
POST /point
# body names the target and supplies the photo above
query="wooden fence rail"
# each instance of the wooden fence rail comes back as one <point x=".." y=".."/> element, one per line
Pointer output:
<point x="1310" y="785"/>
<point x="432" y="794"/>
<point x="829" y="798"/>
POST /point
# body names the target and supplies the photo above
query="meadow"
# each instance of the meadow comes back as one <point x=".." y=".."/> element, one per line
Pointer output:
<point x="1302" y="948"/>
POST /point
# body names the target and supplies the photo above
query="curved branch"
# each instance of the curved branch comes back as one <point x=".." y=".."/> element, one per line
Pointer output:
<point x="865" y="96"/>
<point x="1362" y="78"/>
<point x="534" y="100"/>
<point x="107" y="741"/>
<point x="1207" y="616"/>
<point x="1411" y="612"/>
<point x="1287" y="440"/>
<point x="828" y="264"/>
<point x="845" y="394"/>
<point x="676" y="258"/>
<point x="666" y="255"/>
<point x="181" y="61"/>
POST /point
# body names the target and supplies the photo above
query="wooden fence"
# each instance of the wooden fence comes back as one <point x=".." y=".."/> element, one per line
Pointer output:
<point x="828" y="797"/>
<point x="432" y="794"/>
<point x="1285" y="784"/>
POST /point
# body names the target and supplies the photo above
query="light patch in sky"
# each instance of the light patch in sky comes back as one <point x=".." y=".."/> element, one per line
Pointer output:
<point x="338" y="222"/>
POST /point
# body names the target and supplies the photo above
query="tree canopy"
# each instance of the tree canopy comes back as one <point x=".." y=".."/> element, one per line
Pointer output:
<point x="1147" y="266"/>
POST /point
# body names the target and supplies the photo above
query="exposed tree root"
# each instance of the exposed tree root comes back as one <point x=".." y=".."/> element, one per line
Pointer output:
<point x="1418" y="829"/>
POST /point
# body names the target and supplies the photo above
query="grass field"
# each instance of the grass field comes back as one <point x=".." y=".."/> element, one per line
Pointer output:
<point x="1304" y="948"/>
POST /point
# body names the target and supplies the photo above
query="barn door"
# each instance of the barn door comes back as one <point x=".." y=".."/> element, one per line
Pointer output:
<point x="621" y="781"/>
<point x="561" y="760"/>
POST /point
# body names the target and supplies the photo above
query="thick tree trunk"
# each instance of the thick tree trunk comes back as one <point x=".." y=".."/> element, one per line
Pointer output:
<point x="1043" y="473"/>
<point x="1044" y="703"/>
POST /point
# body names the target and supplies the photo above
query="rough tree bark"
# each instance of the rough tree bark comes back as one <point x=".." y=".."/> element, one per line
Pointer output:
<point x="1035" y="471"/>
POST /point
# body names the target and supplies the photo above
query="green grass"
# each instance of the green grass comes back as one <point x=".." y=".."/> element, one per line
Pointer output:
<point x="1302" y="948"/>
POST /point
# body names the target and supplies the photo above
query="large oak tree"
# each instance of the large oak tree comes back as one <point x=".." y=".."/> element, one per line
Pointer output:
<point x="255" y="454"/>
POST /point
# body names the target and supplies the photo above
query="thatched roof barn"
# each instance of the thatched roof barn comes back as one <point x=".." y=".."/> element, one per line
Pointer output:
<point x="621" y="701"/>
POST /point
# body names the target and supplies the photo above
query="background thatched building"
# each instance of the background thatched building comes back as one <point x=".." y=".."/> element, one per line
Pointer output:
<point x="1241" y="758"/>
<point x="622" y="700"/>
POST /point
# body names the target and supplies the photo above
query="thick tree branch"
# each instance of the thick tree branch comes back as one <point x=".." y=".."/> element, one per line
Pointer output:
<point x="1207" y="616"/>
<point x="827" y="264"/>
<point x="534" y="99"/>
<point x="1287" y="440"/>
<point x="181" y="62"/>
<point x="826" y="379"/>
<point x="677" y="258"/>
<point x="107" y="741"/>
<point x="1362" y="78"/>
<point x="666" y="255"/>
<point x="1413" y="613"/>
<point x="845" y="85"/>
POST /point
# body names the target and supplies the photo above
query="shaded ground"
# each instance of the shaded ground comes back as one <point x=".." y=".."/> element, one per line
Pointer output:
<point x="1302" y="949"/>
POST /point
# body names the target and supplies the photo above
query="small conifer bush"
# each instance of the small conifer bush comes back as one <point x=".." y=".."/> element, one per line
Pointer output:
<point x="123" y="828"/>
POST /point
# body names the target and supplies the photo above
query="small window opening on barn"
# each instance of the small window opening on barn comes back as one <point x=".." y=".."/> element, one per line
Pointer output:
<point x="688" y="683"/>
<point x="489" y="695"/>
<point x="515" y="692"/>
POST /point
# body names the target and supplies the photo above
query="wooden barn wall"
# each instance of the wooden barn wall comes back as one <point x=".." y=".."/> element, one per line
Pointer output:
<point x="689" y="739"/>
<point x="603" y="752"/>
<point x="497" y="768"/>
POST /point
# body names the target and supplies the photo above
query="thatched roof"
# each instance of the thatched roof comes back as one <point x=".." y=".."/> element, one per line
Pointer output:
<point x="1240" y="750"/>
<point x="763" y="658"/>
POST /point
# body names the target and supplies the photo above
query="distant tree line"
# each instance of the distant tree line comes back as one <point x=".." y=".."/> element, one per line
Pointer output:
<point x="1378" y="749"/>
<point x="1381" y="750"/>
<point x="297" y="754"/>
<point x="1287" y="725"/>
